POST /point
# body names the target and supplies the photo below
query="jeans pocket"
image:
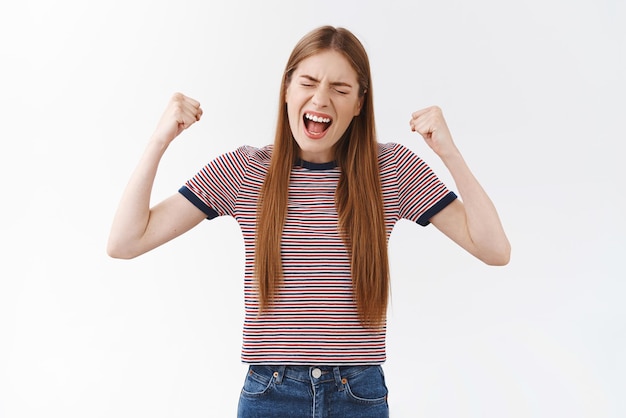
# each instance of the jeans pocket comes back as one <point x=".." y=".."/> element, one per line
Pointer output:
<point x="259" y="381"/>
<point x="367" y="386"/>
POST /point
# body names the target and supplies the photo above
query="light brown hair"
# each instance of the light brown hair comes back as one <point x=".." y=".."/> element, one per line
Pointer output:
<point x="358" y="197"/>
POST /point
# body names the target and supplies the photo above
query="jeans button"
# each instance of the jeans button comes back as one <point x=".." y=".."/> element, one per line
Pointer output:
<point x="317" y="373"/>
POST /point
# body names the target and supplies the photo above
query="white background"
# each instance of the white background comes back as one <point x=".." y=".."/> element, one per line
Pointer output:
<point x="533" y="92"/>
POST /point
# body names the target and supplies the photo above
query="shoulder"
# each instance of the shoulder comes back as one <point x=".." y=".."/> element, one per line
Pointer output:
<point x="248" y="155"/>
<point x="392" y="153"/>
<point x="254" y="153"/>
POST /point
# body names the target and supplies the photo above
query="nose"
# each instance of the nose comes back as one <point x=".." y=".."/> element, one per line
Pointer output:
<point x="320" y="97"/>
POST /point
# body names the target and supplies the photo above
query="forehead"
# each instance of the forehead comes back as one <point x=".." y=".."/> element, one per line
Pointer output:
<point x="327" y="64"/>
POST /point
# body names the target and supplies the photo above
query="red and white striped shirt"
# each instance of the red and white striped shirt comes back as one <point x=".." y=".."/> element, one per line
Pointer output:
<point x="314" y="318"/>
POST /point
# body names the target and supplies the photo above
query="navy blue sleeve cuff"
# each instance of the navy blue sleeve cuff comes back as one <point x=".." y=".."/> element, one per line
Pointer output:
<point x="424" y="220"/>
<point x="210" y="212"/>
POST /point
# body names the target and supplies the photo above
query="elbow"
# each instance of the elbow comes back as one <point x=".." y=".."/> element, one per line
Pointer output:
<point x="116" y="250"/>
<point x="498" y="261"/>
<point x="499" y="257"/>
<point x="119" y="255"/>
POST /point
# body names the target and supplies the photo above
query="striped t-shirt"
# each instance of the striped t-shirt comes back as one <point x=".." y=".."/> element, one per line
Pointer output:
<point x="314" y="318"/>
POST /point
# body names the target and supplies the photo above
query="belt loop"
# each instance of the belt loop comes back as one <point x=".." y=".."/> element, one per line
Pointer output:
<point x="279" y="373"/>
<point x="338" y="380"/>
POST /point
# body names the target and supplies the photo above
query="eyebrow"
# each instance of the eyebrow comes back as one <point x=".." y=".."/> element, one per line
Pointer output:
<point x="334" y="84"/>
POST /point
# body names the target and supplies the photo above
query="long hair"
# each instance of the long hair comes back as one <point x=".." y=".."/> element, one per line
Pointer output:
<point x="358" y="196"/>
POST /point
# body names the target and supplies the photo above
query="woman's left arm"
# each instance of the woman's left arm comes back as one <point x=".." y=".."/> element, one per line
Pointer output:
<point x="473" y="221"/>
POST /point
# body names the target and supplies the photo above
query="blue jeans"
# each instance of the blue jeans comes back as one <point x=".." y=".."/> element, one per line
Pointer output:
<point x="314" y="392"/>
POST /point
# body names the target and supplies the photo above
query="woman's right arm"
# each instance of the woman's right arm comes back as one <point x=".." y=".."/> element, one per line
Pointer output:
<point x="136" y="227"/>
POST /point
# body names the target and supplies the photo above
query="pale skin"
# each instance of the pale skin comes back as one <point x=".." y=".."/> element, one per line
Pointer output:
<point x="472" y="221"/>
<point x="325" y="85"/>
<point x="138" y="228"/>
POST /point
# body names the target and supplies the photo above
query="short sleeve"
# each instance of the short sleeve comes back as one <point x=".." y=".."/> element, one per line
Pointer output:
<point x="214" y="189"/>
<point x="421" y="194"/>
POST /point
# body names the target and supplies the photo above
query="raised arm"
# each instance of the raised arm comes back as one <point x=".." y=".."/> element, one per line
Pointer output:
<point x="473" y="221"/>
<point x="136" y="227"/>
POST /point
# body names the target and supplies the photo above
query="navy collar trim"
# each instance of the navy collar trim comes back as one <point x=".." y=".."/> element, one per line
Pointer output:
<point x="316" y="166"/>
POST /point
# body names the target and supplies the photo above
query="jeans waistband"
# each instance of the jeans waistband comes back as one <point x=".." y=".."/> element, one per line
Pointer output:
<point x="318" y="374"/>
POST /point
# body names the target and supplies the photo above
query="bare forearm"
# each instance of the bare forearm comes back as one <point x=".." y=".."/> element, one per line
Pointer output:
<point x="473" y="223"/>
<point x="483" y="223"/>
<point x="133" y="213"/>
<point x="137" y="228"/>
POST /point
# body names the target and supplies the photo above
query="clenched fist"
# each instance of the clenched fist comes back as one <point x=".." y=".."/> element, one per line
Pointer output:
<point x="431" y="124"/>
<point x="180" y="114"/>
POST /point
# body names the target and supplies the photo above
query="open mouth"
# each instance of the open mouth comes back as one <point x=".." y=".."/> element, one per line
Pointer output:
<point x="316" y="125"/>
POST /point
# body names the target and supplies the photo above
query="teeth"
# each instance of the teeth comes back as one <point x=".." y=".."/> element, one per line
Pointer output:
<point x="316" y="118"/>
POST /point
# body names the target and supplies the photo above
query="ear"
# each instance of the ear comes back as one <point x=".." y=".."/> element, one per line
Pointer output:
<point x="286" y="87"/>
<point x="359" y="104"/>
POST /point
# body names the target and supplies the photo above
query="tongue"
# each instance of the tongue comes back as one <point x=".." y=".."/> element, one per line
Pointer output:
<point x="316" y="127"/>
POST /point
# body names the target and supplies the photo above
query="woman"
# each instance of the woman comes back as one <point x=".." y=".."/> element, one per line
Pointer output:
<point x="316" y="209"/>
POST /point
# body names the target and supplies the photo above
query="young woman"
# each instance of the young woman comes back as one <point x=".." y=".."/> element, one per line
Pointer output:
<point x="316" y="210"/>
